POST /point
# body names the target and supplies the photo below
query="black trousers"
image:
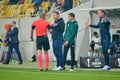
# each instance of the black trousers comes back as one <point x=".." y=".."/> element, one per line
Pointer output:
<point x="10" y="50"/>
<point x="72" y="49"/>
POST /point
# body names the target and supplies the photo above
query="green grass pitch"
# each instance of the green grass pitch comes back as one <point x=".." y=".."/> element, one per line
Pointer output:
<point x="29" y="71"/>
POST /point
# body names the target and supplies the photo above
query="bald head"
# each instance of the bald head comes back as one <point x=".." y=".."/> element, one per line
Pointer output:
<point x="42" y="15"/>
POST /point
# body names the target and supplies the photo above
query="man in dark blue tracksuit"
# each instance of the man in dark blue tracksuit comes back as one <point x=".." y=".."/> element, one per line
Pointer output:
<point x="57" y="36"/>
<point x="104" y="25"/>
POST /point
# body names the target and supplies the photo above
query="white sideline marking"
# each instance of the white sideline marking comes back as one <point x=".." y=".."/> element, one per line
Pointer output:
<point x="51" y="73"/>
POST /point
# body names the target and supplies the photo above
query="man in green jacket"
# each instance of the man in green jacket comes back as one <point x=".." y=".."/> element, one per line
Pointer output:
<point x="69" y="38"/>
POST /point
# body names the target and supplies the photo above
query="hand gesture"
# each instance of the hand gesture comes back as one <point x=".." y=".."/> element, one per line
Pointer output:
<point x="104" y="19"/>
<point x="50" y="30"/>
<point x="32" y="39"/>
<point x="66" y="43"/>
<point x="87" y="24"/>
<point x="54" y="24"/>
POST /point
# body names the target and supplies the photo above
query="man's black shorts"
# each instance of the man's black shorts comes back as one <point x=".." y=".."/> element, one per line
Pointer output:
<point x="42" y="42"/>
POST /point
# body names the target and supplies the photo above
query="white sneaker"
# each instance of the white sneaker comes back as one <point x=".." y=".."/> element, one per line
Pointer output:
<point x="59" y="68"/>
<point x="72" y="70"/>
<point x="54" y="68"/>
<point x="106" y="68"/>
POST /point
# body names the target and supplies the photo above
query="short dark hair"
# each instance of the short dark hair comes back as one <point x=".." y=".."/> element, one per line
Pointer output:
<point x="14" y="22"/>
<point x="95" y="33"/>
<point x="102" y="10"/>
<point x="56" y="12"/>
<point x="72" y="15"/>
<point x="40" y="6"/>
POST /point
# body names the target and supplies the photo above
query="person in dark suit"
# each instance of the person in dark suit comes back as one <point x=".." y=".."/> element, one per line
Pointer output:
<point x="13" y="42"/>
<point x="67" y="5"/>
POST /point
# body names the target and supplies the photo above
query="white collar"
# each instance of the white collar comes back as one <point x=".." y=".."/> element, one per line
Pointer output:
<point x="12" y="28"/>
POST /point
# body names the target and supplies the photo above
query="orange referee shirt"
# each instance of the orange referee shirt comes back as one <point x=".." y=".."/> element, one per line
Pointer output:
<point x="41" y="26"/>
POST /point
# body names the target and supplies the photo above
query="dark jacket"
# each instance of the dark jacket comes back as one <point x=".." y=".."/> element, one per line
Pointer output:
<point x="104" y="28"/>
<point x="71" y="31"/>
<point x="57" y="31"/>
<point x="12" y="36"/>
<point x="68" y="5"/>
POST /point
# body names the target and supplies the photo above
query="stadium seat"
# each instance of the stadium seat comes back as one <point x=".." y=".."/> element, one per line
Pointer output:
<point x="4" y="2"/>
<point x="31" y="5"/>
<point x="5" y="10"/>
<point x="53" y="5"/>
<point x="15" y="6"/>
<point x="45" y="5"/>
<point x="2" y="6"/>
<point x="76" y="3"/>
<point x="9" y="11"/>
<point x="29" y="11"/>
<point x="16" y="12"/>
<point x="27" y="1"/>
<point x="25" y="7"/>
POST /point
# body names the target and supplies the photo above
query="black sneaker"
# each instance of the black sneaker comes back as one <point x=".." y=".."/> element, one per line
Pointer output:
<point x="5" y="63"/>
<point x="64" y="68"/>
<point x="40" y="70"/>
<point x="46" y="69"/>
<point x="20" y="63"/>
